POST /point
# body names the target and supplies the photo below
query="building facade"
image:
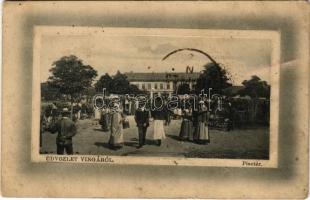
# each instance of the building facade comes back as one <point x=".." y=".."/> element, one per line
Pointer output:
<point x="161" y="83"/>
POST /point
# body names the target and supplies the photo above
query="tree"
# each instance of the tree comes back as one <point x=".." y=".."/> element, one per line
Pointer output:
<point x="255" y="88"/>
<point x="120" y="84"/>
<point x="117" y="84"/>
<point x="90" y="92"/>
<point x="183" y="88"/>
<point x="135" y="90"/>
<point x="105" y="81"/>
<point x="71" y="77"/>
<point x="48" y="93"/>
<point x="213" y="76"/>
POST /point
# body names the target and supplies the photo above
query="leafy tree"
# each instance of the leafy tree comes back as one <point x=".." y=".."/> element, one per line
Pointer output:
<point x="105" y="81"/>
<point x="71" y="77"/>
<point x="213" y="76"/>
<point x="135" y="90"/>
<point x="183" y="88"/>
<point x="90" y="92"/>
<point x="255" y="88"/>
<point x="118" y="84"/>
<point x="48" y="93"/>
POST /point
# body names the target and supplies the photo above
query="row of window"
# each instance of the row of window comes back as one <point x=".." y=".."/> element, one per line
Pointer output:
<point x="148" y="86"/>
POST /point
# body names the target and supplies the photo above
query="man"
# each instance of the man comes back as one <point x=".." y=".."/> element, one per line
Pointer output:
<point x="142" y="120"/>
<point x="66" y="130"/>
<point x="54" y="112"/>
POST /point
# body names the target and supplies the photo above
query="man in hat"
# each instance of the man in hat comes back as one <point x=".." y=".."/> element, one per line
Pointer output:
<point x="66" y="130"/>
<point x="142" y="120"/>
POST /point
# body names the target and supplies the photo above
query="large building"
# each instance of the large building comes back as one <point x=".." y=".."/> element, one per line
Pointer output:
<point x="161" y="83"/>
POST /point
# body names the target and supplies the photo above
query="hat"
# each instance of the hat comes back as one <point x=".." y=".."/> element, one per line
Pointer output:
<point x="65" y="111"/>
<point x="116" y="105"/>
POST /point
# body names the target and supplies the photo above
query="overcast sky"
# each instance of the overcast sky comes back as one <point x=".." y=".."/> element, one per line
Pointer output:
<point x="107" y="54"/>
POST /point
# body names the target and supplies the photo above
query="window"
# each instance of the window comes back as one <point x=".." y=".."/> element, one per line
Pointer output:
<point x="168" y="86"/>
<point x="149" y="86"/>
<point x="137" y="84"/>
<point x="155" y="86"/>
<point x="143" y="86"/>
<point x="161" y="86"/>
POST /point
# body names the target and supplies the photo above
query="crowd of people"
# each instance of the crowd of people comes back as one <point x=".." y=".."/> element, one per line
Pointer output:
<point x="194" y="125"/>
<point x="197" y="118"/>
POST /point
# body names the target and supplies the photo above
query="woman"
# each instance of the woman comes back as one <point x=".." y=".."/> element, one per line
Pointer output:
<point x="134" y="106"/>
<point x="105" y="119"/>
<point x="116" y="138"/>
<point x="159" y="118"/>
<point x="126" y="106"/>
<point x="200" y="122"/>
<point x="186" y="132"/>
<point x="97" y="116"/>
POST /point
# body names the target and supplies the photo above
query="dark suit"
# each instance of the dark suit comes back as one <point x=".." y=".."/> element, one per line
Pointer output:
<point x="66" y="130"/>
<point x="142" y="120"/>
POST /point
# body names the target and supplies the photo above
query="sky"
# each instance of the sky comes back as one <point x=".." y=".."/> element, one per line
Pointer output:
<point x="242" y="58"/>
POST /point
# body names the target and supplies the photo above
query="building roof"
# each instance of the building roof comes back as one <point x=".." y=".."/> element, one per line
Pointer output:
<point x="164" y="76"/>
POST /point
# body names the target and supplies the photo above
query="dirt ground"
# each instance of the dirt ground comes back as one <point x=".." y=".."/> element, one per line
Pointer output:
<point x="237" y="144"/>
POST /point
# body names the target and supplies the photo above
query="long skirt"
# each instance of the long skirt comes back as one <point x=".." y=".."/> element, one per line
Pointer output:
<point x="186" y="131"/>
<point x="159" y="132"/>
<point x="105" y="122"/>
<point x="97" y="114"/>
<point x="201" y="132"/>
<point x="126" y="109"/>
<point x="116" y="137"/>
<point x="133" y="108"/>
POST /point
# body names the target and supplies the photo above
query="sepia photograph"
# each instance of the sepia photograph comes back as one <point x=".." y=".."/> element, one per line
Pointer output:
<point x="156" y="93"/>
<point x="155" y="99"/>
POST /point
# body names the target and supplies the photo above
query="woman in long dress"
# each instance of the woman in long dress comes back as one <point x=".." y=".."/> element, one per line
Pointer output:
<point x="116" y="140"/>
<point x="159" y="118"/>
<point x="159" y="131"/>
<point x="134" y="106"/>
<point x="186" y="131"/>
<point x="97" y="115"/>
<point x="201" y="131"/>
<point x="105" y="119"/>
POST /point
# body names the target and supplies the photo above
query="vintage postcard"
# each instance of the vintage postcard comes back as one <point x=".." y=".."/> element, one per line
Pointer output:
<point x="155" y="96"/>
<point x="147" y="99"/>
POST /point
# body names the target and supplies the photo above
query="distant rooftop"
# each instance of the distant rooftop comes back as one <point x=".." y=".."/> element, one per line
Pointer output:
<point x="161" y="76"/>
